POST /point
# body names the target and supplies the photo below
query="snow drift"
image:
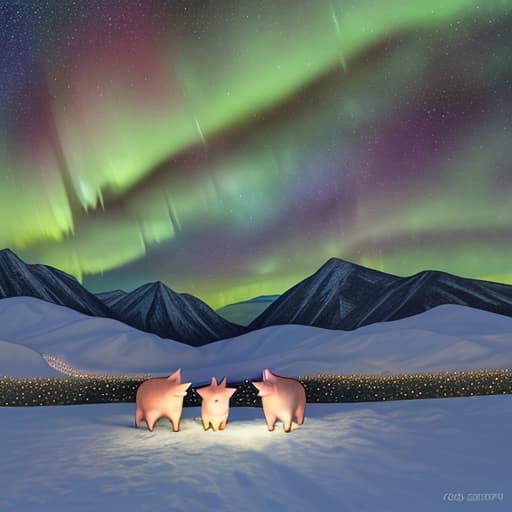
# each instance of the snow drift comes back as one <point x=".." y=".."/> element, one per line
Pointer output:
<point x="444" y="338"/>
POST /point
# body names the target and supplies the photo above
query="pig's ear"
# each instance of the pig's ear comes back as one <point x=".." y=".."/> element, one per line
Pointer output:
<point x="267" y="374"/>
<point x="260" y="386"/>
<point x="181" y="389"/>
<point x="201" y="392"/>
<point x="175" y="376"/>
<point x="264" y="388"/>
<point x="213" y="382"/>
<point x="223" y="382"/>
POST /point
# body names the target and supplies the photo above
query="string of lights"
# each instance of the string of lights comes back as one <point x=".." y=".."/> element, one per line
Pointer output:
<point x="319" y="388"/>
<point x="63" y="367"/>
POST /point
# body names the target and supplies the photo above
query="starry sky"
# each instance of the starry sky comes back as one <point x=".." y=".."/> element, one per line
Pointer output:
<point x="229" y="148"/>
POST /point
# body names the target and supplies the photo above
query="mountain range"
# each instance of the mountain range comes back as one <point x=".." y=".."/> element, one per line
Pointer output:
<point x="152" y="307"/>
<point x="340" y="295"/>
<point x="343" y="295"/>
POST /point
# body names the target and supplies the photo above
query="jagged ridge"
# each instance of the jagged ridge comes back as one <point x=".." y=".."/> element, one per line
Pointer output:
<point x="156" y="308"/>
<point x="18" y="278"/>
<point x="343" y="295"/>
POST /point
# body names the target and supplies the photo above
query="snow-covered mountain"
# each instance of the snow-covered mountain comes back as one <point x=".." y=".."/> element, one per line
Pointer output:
<point x="343" y="295"/>
<point x="155" y="308"/>
<point x="243" y="313"/>
<point x="441" y="339"/>
<point x="340" y="296"/>
<point x="18" y="278"/>
<point x="152" y="308"/>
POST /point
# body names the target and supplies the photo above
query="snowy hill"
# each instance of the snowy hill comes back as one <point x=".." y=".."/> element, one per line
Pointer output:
<point x="19" y="361"/>
<point x="243" y="313"/>
<point x="340" y="296"/>
<point x="40" y="281"/>
<point x="152" y="308"/>
<point x="343" y="295"/>
<point x="444" y="338"/>
<point x="100" y="345"/>
<point x="385" y="456"/>
<point x="157" y="309"/>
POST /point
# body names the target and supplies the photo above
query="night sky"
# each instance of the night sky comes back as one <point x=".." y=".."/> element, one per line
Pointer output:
<point x="229" y="148"/>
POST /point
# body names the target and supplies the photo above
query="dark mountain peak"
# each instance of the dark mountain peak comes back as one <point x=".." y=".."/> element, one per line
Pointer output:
<point x="337" y="263"/>
<point x="335" y="266"/>
<point x="154" y="287"/>
<point x="157" y="291"/>
<point x="161" y="288"/>
<point x="154" y="307"/>
<point x="339" y="266"/>
<point x="9" y="256"/>
<point x="18" y="278"/>
<point x="344" y="295"/>
<point x="339" y="279"/>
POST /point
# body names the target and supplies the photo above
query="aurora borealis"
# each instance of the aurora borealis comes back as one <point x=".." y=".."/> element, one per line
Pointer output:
<point x="229" y="148"/>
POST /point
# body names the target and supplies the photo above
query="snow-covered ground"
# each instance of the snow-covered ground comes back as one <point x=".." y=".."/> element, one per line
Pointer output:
<point x="385" y="456"/>
<point x="423" y="455"/>
<point x="444" y="338"/>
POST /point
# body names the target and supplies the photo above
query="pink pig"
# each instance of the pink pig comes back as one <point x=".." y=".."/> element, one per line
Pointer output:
<point x="215" y="404"/>
<point x="161" y="398"/>
<point x="283" y="399"/>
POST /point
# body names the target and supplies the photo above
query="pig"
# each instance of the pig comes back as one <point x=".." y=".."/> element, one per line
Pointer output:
<point x="161" y="398"/>
<point x="215" y="404"/>
<point x="283" y="399"/>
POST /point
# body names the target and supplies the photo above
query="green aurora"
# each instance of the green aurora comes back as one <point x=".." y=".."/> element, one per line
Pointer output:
<point x="229" y="148"/>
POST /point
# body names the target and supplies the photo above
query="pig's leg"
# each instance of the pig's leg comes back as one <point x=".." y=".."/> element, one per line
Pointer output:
<point x="287" y="423"/>
<point x="151" y="419"/>
<point x="299" y="415"/>
<point x="270" y="419"/>
<point x="139" y="416"/>
<point x="175" y="424"/>
<point x="222" y="424"/>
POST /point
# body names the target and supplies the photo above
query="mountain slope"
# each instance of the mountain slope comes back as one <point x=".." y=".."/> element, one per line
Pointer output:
<point x="343" y="295"/>
<point x="111" y="297"/>
<point x="155" y="308"/>
<point x="18" y="278"/>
